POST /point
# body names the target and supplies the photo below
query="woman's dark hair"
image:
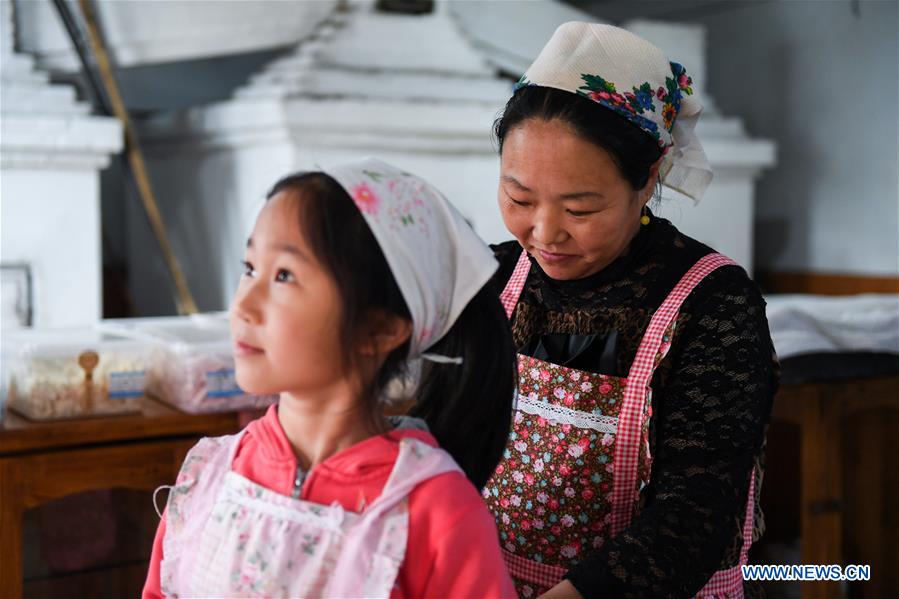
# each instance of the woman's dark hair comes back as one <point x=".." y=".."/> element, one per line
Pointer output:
<point x="467" y="408"/>
<point x="632" y="149"/>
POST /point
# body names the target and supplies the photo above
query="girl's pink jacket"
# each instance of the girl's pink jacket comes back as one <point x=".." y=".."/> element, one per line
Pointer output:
<point x="453" y="549"/>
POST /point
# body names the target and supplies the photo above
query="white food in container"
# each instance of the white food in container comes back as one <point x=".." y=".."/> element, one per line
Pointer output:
<point x="192" y="363"/>
<point x="71" y="373"/>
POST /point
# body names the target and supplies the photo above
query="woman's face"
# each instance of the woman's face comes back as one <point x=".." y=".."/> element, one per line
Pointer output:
<point x="565" y="200"/>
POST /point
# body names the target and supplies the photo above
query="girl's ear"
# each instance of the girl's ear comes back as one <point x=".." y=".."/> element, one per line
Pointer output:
<point x="383" y="333"/>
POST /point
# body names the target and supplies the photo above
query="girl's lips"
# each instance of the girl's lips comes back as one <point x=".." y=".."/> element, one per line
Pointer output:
<point x="242" y="349"/>
<point x="553" y="258"/>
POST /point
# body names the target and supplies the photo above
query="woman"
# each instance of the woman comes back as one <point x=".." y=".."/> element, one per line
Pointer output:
<point x="646" y="366"/>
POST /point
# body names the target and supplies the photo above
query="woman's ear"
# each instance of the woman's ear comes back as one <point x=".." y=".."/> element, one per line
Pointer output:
<point x="645" y="194"/>
<point x="383" y="333"/>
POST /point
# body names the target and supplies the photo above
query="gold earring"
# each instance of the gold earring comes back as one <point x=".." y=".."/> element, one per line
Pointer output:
<point x="644" y="220"/>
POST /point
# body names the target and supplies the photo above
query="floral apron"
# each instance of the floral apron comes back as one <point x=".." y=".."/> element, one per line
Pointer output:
<point x="578" y="455"/>
<point x="227" y="536"/>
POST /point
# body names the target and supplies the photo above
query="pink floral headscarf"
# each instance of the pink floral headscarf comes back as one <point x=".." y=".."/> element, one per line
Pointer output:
<point x="438" y="261"/>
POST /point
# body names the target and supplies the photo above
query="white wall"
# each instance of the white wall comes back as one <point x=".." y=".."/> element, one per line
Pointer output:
<point x="207" y="231"/>
<point x="62" y="246"/>
<point x="828" y="94"/>
<point x="51" y="151"/>
<point x="821" y="81"/>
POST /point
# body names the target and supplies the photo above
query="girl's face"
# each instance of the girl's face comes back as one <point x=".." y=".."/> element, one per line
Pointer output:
<point x="286" y="314"/>
<point x="565" y="200"/>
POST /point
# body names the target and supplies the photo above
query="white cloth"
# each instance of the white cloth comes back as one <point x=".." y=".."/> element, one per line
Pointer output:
<point x="627" y="74"/>
<point x="438" y="261"/>
<point x="802" y="324"/>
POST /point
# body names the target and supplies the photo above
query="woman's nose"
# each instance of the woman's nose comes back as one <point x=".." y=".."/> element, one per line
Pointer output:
<point x="547" y="230"/>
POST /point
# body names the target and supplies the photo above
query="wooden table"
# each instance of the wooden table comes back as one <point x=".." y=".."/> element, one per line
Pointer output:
<point x="835" y="514"/>
<point x="40" y="462"/>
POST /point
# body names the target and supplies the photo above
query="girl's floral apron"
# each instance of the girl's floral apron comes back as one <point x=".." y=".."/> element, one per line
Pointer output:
<point x="578" y="454"/>
<point x="226" y="536"/>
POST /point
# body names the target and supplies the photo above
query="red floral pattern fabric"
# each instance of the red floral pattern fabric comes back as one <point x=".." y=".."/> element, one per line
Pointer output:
<point x="552" y="490"/>
<point x="563" y="487"/>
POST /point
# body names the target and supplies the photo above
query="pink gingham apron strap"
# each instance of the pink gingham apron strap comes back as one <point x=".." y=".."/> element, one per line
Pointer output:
<point x="630" y="419"/>
<point x="542" y="575"/>
<point x="511" y="293"/>
<point x="729" y="583"/>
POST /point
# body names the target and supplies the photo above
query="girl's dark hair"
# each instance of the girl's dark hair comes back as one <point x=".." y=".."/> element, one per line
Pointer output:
<point x="632" y="149"/>
<point x="468" y="408"/>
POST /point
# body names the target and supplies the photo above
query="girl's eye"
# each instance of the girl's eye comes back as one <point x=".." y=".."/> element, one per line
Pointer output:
<point x="248" y="269"/>
<point x="284" y="276"/>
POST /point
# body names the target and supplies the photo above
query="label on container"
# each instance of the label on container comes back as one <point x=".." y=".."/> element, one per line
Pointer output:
<point x="125" y="384"/>
<point x="222" y="383"/>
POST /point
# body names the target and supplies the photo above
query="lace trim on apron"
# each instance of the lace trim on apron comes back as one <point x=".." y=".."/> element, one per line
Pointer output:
<point x="563" y="415"/>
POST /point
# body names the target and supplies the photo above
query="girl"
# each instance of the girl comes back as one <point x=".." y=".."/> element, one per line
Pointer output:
<point x="351" y="273"/>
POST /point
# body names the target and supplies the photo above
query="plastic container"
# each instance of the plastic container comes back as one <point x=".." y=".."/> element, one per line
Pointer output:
<point x="72" y="373"/>
<point x="192" y="363"/>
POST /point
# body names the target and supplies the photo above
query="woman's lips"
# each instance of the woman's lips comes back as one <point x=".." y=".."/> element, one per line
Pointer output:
<point x="554" y="258"/>
<point x="242" y="349"/>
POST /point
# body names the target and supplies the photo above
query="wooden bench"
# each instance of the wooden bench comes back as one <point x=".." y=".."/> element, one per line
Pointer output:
<point x="848" y="488"/>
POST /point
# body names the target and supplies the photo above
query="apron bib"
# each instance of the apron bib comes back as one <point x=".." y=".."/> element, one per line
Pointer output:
<point x="227" y="536"/>
<point x="578" y="454"/>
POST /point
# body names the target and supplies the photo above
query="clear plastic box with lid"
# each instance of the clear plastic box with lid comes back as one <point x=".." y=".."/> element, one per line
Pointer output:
<point x="192" y="363"/>
<point x="71" y="373"/>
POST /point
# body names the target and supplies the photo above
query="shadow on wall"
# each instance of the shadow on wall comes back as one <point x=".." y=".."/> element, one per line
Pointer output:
<point x="148" y="90"/>
<point x="822" y="80"/>
<point x="194" y="228"/>
<point x="779" y="224"/>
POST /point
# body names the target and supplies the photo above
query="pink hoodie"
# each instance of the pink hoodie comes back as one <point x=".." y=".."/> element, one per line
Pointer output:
<point x="453" y="548"/>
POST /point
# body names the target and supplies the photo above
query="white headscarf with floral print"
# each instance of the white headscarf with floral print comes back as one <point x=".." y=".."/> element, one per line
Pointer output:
<point x="437" y="260"/>
<point x="626" y="74"/>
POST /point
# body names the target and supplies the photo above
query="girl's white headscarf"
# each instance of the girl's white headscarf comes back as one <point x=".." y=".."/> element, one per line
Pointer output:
<point x="627" y="74"/>
<point x="438" y="261"/>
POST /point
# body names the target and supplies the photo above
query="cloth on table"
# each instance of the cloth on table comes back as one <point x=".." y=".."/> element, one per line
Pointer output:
<point x="825" y="338"/>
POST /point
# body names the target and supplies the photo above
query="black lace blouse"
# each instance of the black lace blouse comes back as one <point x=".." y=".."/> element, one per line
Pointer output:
<point x="712" y="397"/>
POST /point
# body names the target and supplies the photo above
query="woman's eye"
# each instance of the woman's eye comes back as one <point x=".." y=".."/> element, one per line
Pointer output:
<point x="284" y="276"/>
<point x="248" y="269"/>
<point x="577" y="213"/>
<point x="518" y="202"/>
